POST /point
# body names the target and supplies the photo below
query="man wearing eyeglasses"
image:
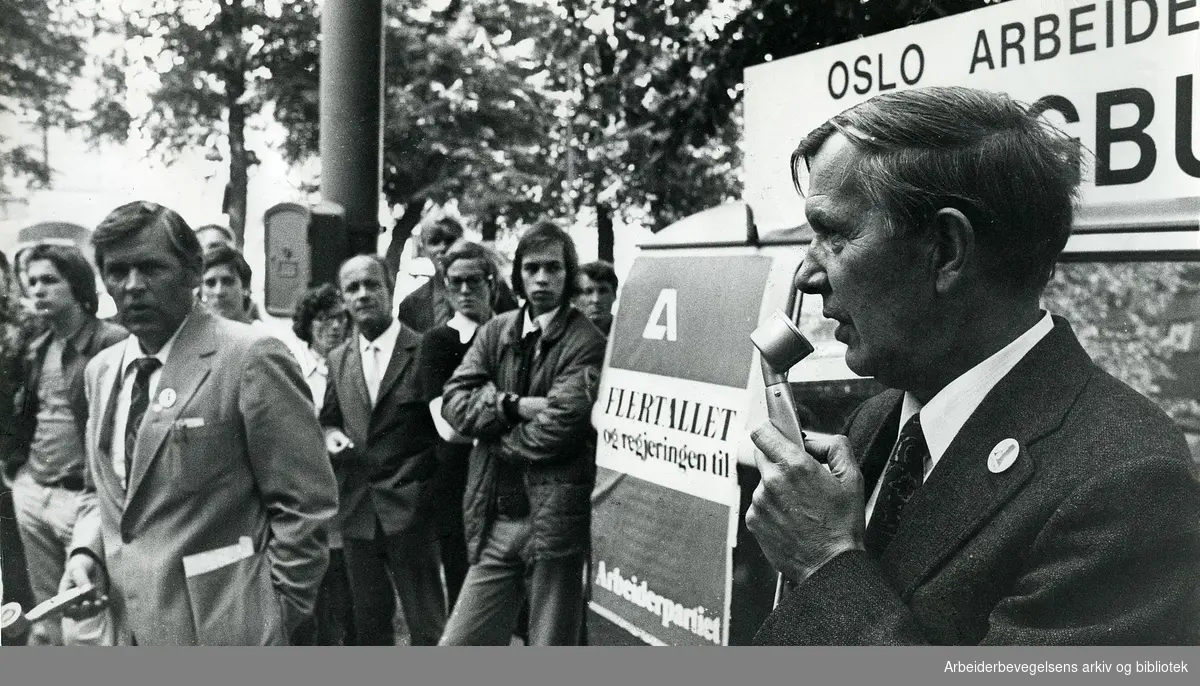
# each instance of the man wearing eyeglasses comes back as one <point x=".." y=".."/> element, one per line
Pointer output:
<point x="430" y="305"/>
<point x="471" y="281"/>
<point x="1006" y="490"/>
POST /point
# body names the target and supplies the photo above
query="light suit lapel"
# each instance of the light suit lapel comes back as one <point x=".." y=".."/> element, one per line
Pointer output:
<point x="106" y="386"/>
<point x="187" y="367"/>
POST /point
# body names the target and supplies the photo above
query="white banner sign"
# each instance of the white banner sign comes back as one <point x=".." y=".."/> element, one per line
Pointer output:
<point x="1119" y="75"/>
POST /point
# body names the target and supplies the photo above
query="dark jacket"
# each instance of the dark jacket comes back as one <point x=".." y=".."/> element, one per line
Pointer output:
<point x="1090" y="537"/>
<point x="93" y="336"/>
<point x="558" y="447"/>
<point x="388" y="471"/>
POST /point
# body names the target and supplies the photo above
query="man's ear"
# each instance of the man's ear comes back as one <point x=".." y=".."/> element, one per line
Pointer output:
<point x="953" y="249"/>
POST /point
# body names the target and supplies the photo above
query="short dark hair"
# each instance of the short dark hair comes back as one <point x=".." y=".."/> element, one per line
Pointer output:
<point x="446" y="223"/>
<point x="1010" y="172"/>
<point x="314" y="303"/>
<point x="219" y="255"/>
<point x="75" y="269"/>
<point x="600" y="272"/>
<point x="389" y="276"/>
<point x="543" y="233"/>
<point x="131" y="219"/>
<point x="225" y="231"/>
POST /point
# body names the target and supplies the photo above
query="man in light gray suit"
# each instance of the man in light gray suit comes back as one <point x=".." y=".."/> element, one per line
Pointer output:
<point x="214" y="492"/>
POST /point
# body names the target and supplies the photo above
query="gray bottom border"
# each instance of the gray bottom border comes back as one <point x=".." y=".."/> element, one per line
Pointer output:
<point x="609" y="666"/>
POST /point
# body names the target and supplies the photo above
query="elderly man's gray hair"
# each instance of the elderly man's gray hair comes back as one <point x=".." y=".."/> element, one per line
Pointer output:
<point x="1010" y="172"/>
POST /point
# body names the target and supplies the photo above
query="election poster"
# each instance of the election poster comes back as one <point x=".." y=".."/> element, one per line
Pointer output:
<point x="670" y="413"/>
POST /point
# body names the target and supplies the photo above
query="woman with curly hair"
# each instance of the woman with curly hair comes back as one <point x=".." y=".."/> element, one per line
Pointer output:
<point x="321" y="322"/>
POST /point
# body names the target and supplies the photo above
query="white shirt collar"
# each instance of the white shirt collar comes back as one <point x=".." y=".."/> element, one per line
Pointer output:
<point x="310" y="362"/>
<point x="944" y="415"/>
<point x="133" y="349"/>
<point x="386" y="340"/>
<point x="464" y="325"/>
<point x="542" y="321"/>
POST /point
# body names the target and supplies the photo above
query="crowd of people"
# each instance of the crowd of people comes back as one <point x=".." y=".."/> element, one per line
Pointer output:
<point x="325" y="461"/>
<point x="213" y="485"/>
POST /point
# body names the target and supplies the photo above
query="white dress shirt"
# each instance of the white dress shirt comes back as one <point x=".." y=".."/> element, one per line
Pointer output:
<point x="464" y="325"/>
<point x="945" y="413"/>
<point x="133" y="351"/>
<point x="375" y="357"/>
<point x="315" y="371"/>
<point x="539" y="322"/>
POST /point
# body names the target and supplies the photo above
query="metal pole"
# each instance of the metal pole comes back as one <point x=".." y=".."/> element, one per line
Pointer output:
<point x="351" y="105"/>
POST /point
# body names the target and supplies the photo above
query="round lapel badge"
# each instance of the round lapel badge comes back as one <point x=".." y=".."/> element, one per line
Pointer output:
<point x="166" y="398"/>
<point x="1003" y="455"/>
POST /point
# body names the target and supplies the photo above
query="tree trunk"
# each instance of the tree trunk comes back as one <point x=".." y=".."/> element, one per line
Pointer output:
<point x="239" y="176"/>
<point x="401" y="232"/>
<point x="489" y="229"/>
<point x="232" y="20"/>
<point x="604" y="233"/>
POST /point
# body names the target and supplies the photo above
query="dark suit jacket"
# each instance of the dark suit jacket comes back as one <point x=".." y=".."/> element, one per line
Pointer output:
<point x="237" y="454"/>
<point x="95" y="335"/>
<point x="1090" y="537"/>
<point x="387" y="473"/>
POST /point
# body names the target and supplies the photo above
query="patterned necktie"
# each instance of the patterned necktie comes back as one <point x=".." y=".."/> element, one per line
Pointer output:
<point x="138" y="402"/>
<point x="904" y="474"/>
<point x="529" y="353"/>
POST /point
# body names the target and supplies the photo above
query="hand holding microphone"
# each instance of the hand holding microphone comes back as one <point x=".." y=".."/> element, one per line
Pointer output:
<point x="781" y="345"/>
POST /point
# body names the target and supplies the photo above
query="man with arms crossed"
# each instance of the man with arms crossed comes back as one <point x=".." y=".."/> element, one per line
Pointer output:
<point x="213" y="489"/>
<point x="525" y="391"/>
<point x="1006" y="490"/>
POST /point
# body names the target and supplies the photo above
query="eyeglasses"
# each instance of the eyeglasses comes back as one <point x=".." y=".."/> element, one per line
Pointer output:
<point x="473" y="282"/>
<point x="330" y="318"/>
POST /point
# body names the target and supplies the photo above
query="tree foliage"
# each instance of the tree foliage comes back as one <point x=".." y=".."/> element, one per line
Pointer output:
<point x="1127" y="315"/>
<point x="208" y="67"/>
<point x="43" y="49"/>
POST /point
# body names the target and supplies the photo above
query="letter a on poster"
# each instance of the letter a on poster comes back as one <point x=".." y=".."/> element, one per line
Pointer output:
<point x="665" y="307"/>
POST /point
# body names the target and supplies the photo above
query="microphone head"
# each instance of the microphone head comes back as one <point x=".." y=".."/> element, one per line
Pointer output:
<point x="780" y="343"/>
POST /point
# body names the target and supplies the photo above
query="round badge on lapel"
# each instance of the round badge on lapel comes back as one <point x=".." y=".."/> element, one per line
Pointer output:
<point x="1003" y="455"/>
<point x="166" y="398"/>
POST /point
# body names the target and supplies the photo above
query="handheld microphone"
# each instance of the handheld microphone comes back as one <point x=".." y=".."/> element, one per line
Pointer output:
<point x="13" y="622"/>
<point x="781" y="345"/>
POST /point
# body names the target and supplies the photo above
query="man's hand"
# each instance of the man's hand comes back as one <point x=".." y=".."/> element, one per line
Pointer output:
<point x="82" y="569"/>
<point x="336" y="441"/>
<point x="530" y="407"/>
<point x="804" y="514"/>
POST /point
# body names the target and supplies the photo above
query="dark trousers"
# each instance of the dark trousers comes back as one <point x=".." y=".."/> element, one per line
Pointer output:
<point x="17" y="588"/>
<point x="332" y="622"/>
<point x="453" y="546"/>
<point x="412" y="563"/>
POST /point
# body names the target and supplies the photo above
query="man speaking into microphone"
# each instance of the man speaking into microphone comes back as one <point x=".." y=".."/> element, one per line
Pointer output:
<point x="1005" y="490"/>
